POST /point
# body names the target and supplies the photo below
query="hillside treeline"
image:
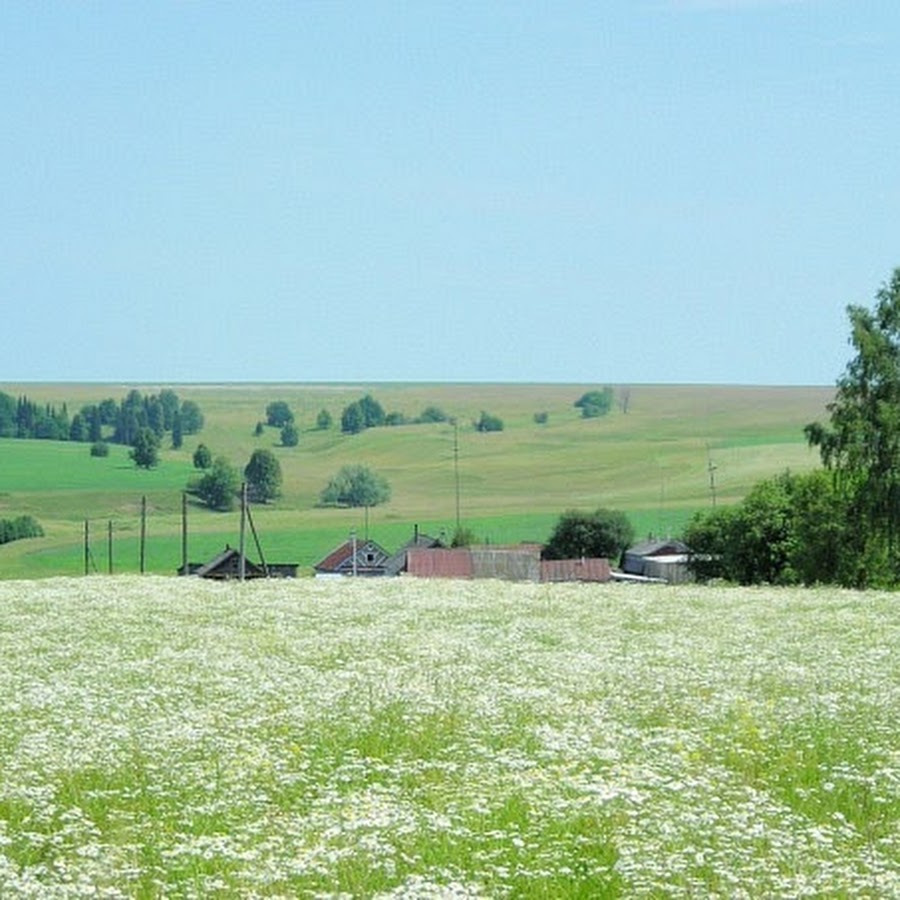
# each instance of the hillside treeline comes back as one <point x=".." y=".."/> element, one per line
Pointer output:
<point x="18" y="528"/>
<point x="111" y="420"/>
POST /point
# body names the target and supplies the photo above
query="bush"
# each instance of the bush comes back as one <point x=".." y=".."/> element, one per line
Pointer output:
<point x="488" y="422"/>
<point x="290" y="436"/>
<point x="595" y="403"/>
<point x="99" y="448"/>
<point x="202" y="457"/>
<point x="324" y="420"/>
<point x="433" y="414"/>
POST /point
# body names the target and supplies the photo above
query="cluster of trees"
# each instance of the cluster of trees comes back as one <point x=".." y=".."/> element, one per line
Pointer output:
<point x="841" y="524"/>
<point x="22" y="418"/>
<point x="18" y="528"/>
<point x="220" y="484"/>
<point x="355" y="485"/>
<point x="604" y="533"/>
<point x="367" y="412"/>
<point x="790" y="529"/>
<point x="119" y="422"/>
<point x="279" y="415"/>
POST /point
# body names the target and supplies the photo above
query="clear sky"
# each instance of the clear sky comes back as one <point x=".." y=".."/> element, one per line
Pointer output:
<point x="619" y="191"/>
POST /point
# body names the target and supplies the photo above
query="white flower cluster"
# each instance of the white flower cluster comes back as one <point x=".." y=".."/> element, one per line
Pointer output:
<point x="400" y="738"/>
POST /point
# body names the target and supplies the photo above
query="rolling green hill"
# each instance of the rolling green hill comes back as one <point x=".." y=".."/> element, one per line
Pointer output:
<point x="651" y="461"/>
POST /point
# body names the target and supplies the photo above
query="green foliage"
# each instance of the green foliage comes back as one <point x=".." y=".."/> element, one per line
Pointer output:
<point x="541" y="418"/>
<point x="8" y="423"/>
<point x="364" y="413"/>
<point x="352" y="419"/>
<point x="595" y="403"/>
<point x="861" y="443"/>
<point x="605" y="533"/>
<point x="432" y="414"/>
<point x="789" y="529"/>
<point x="26" y="419"/>
<point x="19" y="528"/>
<point x="355" y="485"/>
<point x="487" y="422"/>
<point x="463" y="537"/>
<point x="278" y="414"/>
<point x="100" y="449"/>
<point x="260" y="429"/>
<point x="177" y="431"/>
<point x="202" y="457"/>
<point x="290" y="435"/>
<point x="78" y="430"/>
<point x="394" y="418"/>
<point x="263" y="474"/>
<point x="219" y="487"/>
<point x="324" y="420"/>
<point x="191" y="417"/>
<point x="145" y="450"/>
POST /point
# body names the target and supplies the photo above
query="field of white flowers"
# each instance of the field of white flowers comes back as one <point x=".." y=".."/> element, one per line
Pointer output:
<point x="165" y="737"/>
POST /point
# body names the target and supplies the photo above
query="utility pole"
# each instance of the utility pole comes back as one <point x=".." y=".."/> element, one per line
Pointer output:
<point x="456" y="469"/>
<point x="184" y="534"/>
<point x="242" y="568"/>
<point x="143" y="531"/>
<point x="711" y="468"/>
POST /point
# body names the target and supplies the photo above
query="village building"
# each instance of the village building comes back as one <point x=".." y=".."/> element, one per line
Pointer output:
<point x="658" y="560"/>
<point x="354" y="557"/>
<point x="227" y="565"/>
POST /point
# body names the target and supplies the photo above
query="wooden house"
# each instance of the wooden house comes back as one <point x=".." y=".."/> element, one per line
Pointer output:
<point x="227" y="565"/>
<point x="354" y="557"/>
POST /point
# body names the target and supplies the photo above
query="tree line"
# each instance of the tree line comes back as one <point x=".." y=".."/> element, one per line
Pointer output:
<point x="18" y="528"/>
<point x="119" y="422"/>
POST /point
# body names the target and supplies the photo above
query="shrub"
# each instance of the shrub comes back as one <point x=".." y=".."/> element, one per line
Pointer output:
<point x="99" y="448"/>
<point x="488" y="422"/>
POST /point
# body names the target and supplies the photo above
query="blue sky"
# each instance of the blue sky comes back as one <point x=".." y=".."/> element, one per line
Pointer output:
<point x="651" y="191"/>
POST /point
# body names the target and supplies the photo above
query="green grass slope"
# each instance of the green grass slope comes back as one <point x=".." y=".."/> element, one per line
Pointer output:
<point x="652" y="461"/>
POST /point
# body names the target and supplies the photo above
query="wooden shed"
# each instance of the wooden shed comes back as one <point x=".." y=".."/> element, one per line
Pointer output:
<point x="661" y="560"/>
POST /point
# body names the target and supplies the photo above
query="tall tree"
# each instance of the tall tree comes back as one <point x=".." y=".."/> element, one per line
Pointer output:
<point x="861" y="444"/>
<point x="278" y="414"/>
<point x="263" y="474"/>
<point x="145" y="451"/>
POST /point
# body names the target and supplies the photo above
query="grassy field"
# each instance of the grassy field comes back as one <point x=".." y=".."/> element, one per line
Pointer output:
<point x="652" y="462"/>
<point x="177" y="738"/>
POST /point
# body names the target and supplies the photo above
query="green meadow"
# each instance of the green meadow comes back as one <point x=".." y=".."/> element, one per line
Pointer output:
<point x="653" y="461"/>
<point x="407" y="739"/>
